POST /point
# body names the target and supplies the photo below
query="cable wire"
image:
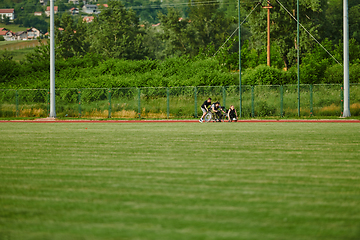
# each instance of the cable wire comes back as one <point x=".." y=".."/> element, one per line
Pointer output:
<point x="309" y="33"/>
<point x="236" y="29"/>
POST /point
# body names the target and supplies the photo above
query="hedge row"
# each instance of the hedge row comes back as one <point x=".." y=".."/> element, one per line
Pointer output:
<point x="92" y="72"/>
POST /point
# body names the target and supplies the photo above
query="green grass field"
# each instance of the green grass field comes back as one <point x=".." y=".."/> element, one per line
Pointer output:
<point x="180" y="181"/>
<point x="13" y="27"/>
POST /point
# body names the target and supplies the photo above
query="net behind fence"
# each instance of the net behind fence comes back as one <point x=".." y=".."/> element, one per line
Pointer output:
<point x="179" y="102"/>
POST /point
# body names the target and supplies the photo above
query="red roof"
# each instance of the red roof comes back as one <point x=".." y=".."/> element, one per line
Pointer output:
<point x="3" y="33"/>
<point x="48" y="8"/>
<point x="88" y="19"/>
<point x="9" y="10"/>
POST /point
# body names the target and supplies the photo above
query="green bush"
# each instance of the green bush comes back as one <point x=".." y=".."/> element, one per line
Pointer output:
<point x="335" y="74"/>
<point x="264" y="75"/>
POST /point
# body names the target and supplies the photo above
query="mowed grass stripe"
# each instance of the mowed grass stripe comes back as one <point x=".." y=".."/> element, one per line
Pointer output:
<point x="179" y="181"/>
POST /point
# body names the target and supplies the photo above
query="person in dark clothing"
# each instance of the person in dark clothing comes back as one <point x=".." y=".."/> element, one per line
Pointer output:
<point x="232" y="115"/>
<point x="217" y="109"/>
<point x="204" y="108"/>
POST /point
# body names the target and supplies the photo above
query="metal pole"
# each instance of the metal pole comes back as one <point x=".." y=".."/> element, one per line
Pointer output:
<point x="311" y="100"/>
<point x="139" y="102"/>
<point x="252" y="102"/>
<point x="79" y="101"/>
<point x="109" y="99"/>
<point x="298" y="57"/>
<point x="17" y="102"/>
<point x="52" y="62"/>
<point x="224" y="96"/>
<point x="195" y="100"/>
<point x="281" y="101"/>
<point x="167" y="102"/>
<point x="240" y="90"/>
<point x="346" y="62"/>
<point x="268" y="36"/>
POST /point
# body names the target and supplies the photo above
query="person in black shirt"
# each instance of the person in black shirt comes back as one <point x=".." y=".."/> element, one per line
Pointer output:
<point x="217" y="109"/>
<point x="232" y="115"/>
<point x="204" y="108"/>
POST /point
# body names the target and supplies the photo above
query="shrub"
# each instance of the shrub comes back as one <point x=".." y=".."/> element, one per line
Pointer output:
<point x="264" y="75"/>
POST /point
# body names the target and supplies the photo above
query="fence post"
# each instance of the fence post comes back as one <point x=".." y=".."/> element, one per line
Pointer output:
<point x="252" y="101"/>
<point x="109" y="98"/>
<point x="195" y="96"/>
<point x="48" y="102"/>
<point x="17" y="102"/>
<point x="167" y="102"/>
<point x="342" y="99"/>
<point x="139" y="103"/>
<point x="79" y="101"/>
<point x="311" y="100"/>
<point x="281" y="101"/>
<point x="224" y="96"/>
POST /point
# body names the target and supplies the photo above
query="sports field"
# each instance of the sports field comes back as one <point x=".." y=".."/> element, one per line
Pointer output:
<point x="180" y="181"/>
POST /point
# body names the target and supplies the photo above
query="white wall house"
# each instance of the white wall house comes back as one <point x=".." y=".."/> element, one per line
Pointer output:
<point x="76" y="2"/>
<point x="10" y="13"/>
<point x="90" y="9"/>
<point x="33" y="33"/>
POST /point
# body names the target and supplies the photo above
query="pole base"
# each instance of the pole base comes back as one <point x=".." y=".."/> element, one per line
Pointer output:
<point x="346" y="113"/>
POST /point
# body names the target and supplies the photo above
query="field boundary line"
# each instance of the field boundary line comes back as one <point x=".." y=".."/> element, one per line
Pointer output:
<point x="184" y="121"/>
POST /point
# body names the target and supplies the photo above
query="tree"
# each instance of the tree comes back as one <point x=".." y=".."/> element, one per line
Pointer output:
<point x="175" y="33"/>
<point x="116" y="33"/>
<point x="70" y="37"/>
<point x="209" y="25"/>
<point x="283" y="27"/>
<point x="206" y="25"/>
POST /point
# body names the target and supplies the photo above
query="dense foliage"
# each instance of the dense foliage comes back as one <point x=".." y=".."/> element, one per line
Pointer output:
<point x="118" y="49"/>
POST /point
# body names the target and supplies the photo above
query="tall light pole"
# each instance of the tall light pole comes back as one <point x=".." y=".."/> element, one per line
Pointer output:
<point x="298" y="56"/>
<point x="52" y="62"/>
<point x="268" y="7"/>
<point x="346" y="112"/>
<point x="240" y="91"/>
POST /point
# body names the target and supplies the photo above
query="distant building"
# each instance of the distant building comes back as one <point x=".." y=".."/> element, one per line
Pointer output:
<point x="90" y="9"/>
<point x="76" y="2"/>
<point x="10" y="13"/>
<point x="43" y="2"/>
<point x="37" y="13"/>
<point x="32" y="33"/>
<point x="74" y="11"/>
<point x="47" y="12"/>
<point x="7" y="34"/>
<point x="88" y="19"/>
<point x="21" y="35"/>
<point x="102" y="5"/>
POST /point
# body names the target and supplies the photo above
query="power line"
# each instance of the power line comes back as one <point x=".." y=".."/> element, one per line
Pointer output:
<point x="236" y="29"/>
<point x="309" y="33"/>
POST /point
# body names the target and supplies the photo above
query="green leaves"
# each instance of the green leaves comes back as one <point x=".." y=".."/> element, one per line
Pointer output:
<point x="115" y="33"/>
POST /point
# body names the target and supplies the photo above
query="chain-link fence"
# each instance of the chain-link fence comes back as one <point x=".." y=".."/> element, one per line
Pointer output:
<point x="179" y="102"/>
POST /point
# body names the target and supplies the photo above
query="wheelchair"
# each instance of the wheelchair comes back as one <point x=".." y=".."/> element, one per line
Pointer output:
<point x="216" y="116"/>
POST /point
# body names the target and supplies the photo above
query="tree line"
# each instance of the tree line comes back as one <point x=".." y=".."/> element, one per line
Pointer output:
<point x="200" y="32"/>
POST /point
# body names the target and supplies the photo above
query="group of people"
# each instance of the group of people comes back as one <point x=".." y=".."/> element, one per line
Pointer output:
<point x="216" y="108"/>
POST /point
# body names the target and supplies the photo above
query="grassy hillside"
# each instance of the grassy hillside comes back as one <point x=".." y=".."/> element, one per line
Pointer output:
<point x="19" y="49"/>
<point x="13" y="27"/>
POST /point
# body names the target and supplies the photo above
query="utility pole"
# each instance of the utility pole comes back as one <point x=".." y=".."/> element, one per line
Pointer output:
<point x="268" y="7"/>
